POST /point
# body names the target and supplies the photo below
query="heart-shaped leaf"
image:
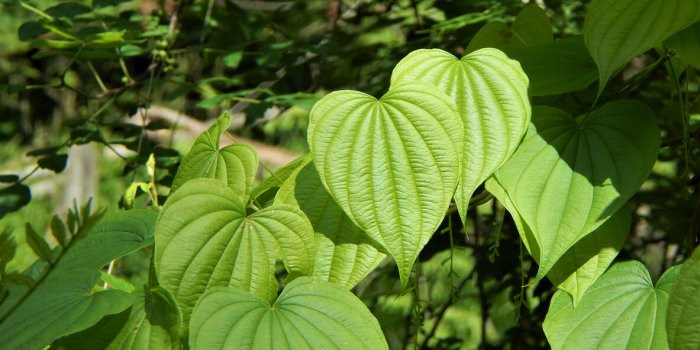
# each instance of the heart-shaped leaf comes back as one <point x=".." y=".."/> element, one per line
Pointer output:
<point x="570" y="175"/>
<point x="235" y="164"/>
<point x="65" y="302"/>
<point x="616" y="31"/>
<point x="686" y="44"/>
<point x="557" y="68"/>
<point x="344" y="254"/>
<point x="622" y="310"/>
<point x="490" y="91"/>
<point x="307" y="315"/>
<point x="204" y="238"/>
<point x="684" y="307"/>
<point x="530" y="28"/>
<point x="392" y="164"/>
<point x="583" y="263"/>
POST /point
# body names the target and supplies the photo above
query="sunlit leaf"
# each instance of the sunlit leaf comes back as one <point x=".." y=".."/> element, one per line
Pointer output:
<point x="490" y="91"/>
<point x="587" y="260"/>
<point x="615" y="31"/>
<point x="235" y="164"/>
<point x="684" y="307"/>
<point x="205" y="238"/>
<point x="392" y="164"/>
<point x="65" y="302"/>
<point x="571" y="175"/>
<point x="307" y="315"/>
<point x="344" y="254"/>
<point x="622" y="310"/>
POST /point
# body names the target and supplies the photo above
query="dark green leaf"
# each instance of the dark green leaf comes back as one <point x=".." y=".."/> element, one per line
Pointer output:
<point x="557" y="68"/>
<point x="13" y="198"/>
<point x="104" y="3"/>
<point x="8" y="178"/>
<point x="30" y="30"/>
<point x="58" y="230"/>
<point x="68" y="10"/>
<point x="38" y="244"/>
<point x="56" y="162"/>
<point x="44" y="151"/>
<point x="686" y="44"/>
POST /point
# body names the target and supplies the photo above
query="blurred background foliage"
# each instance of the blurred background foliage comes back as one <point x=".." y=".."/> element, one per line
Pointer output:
<point x="90" y="89"/>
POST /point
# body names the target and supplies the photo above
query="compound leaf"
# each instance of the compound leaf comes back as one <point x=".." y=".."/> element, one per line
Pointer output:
<point x="307" y="315"/>
<point x="392" y="164"/>
<point x="65" y="302"/>
<point x="490" y="91"/>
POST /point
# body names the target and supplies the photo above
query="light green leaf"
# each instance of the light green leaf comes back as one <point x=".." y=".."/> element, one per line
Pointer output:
<point x="583" y="263"/>
<point x="616" y="31"/>
<point x="686" y="44"/>
<point x="154" y="323"/>
<point x="307" y="315"/>
<point x="392" y="164"/>
<point x="205" y="238"/>
<point x="530" y="28"/>
<point x="266" y="191"/>
<point x="557" y="68"/>
<point x="491" y="95"/>
<point x="235" y="164"/>
<point x="684" y="307"/>
<point x="65" y="302"/>
<point x="588" y="259"/>
<point x="344" y="254"/>
<point x="622" y="310"/>
<point x="571" y="175"/>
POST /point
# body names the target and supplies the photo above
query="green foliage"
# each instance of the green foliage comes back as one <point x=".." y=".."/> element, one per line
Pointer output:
<point x="622" y="310"/>
<point x="235" y="164"/>
<point x="308" y="314"/>
<point x="571" y="175"/>
<point x="63" y="300"/>
<point x="477" y="82"/>
<point x="409" y="222"/>
<point x="617" y="31"/>
<point x="392" y="164"/>
<point x="683" y="306"/>
<point x="206" y="238"/>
